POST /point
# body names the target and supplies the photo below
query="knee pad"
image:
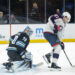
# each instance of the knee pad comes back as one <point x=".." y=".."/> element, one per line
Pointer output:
<point x="56" y="52"/>
<point x="57" y="49"/>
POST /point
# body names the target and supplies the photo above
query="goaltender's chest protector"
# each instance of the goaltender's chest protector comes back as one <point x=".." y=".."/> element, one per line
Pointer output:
<point x="23" y="37"/>
<point x="20" y="40"/>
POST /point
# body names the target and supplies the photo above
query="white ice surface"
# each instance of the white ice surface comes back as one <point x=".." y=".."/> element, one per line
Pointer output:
<point x="38" y="50"/>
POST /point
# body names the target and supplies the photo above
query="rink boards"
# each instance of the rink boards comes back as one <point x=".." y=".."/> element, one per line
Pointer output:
<point x="7" y="30"/>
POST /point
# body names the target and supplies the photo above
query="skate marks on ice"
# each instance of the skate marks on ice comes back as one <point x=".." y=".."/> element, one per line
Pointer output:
<point x="42" y="71"/>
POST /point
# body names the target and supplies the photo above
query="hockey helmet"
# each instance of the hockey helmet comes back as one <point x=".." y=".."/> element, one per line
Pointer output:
<point x="68" y="15"/>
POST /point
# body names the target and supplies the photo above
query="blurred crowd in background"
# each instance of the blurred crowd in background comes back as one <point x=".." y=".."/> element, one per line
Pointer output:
<point x="33" y="11"/>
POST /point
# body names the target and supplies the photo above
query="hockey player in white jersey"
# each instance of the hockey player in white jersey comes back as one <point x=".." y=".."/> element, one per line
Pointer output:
<point x="19" y="57"/>
<point x="53" y="33"/>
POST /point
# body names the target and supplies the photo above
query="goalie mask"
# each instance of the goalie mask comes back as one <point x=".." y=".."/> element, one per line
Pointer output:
<point x="28" y="31"/>
<point x="67" y="15"/>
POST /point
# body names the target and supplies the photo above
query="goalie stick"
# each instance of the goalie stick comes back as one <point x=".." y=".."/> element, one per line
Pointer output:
<point x="38" y="65"/>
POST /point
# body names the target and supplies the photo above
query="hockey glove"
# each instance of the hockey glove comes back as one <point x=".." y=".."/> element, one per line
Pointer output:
<point x="23" y="54"/>
<point x="29" y="56"/>
<point x="62" y="45"/>
<point x="57" y="28"/>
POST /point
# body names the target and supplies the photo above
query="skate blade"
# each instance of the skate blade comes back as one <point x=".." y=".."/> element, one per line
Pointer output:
<point x="11" y="70"/>
<point x="46" y="60"/>
<point x="53" y="69"/>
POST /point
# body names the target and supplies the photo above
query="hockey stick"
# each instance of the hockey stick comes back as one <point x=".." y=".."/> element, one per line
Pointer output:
<point x="38" y="65"/>
<point x="67" y="56"/>
<point x="68" y="59"/>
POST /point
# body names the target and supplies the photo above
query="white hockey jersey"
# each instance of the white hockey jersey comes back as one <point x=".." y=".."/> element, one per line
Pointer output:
<point x="55" y="19"/>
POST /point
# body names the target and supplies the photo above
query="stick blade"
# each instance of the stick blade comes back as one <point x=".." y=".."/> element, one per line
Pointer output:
<point x="38" y="65"/>
<point x="73" y="66"/>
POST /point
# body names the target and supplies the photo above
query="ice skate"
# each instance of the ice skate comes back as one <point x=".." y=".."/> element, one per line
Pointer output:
<point x="55" y="67"/>
<point x="47" y="58"/>
<point x="8" y="66"/>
